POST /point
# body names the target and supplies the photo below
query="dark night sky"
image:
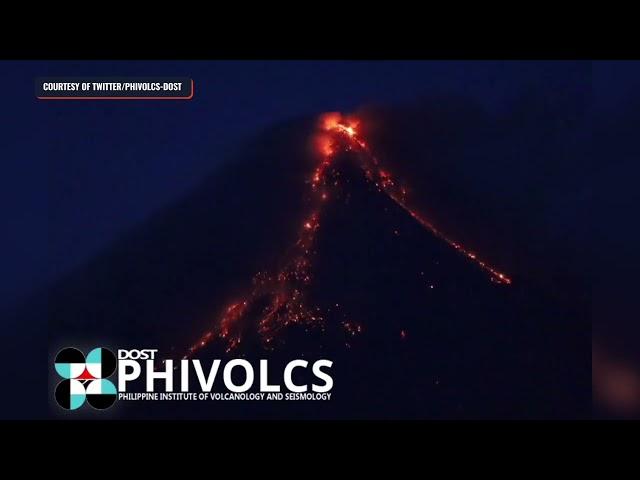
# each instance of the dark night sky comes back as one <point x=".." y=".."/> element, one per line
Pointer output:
<point x="76" y="175"/>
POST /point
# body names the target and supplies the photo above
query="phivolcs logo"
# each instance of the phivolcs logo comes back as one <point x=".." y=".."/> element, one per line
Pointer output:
<point x="85" y="378"/>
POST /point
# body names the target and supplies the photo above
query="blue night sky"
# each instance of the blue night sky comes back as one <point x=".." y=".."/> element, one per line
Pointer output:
<point x="76" y="175"/>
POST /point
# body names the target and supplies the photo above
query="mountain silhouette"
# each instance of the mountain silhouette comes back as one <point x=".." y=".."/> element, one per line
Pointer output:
<point x="414" y="327"/>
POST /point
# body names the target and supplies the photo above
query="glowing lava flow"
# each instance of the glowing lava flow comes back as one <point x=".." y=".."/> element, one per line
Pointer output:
<point x="278" y="300"/>
<point x="385" y="183"/>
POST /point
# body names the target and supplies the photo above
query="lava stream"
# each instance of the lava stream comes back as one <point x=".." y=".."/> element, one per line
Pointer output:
<point x="385" y="183"/>
<point x="279" y="299"/>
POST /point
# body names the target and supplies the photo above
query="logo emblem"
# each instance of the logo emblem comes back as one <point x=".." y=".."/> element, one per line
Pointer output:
<point x="85" y="378"/>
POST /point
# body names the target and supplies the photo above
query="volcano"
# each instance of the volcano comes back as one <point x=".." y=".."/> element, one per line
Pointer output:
<point x="307" y="247"/>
